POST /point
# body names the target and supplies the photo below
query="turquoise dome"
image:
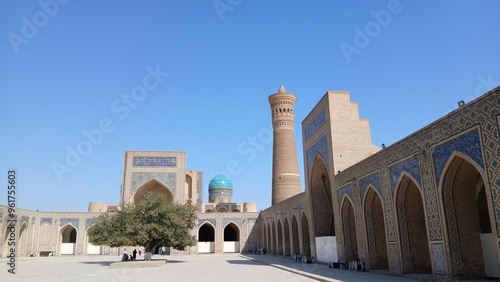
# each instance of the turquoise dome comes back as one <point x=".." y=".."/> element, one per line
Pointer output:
<point x="220" y="181"/>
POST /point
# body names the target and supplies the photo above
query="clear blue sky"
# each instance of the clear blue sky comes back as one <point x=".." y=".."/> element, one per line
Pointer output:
<point x="64" y="67"/>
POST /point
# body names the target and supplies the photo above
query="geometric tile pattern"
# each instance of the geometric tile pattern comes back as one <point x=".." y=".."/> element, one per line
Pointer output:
<point x="468" y="144"/>
<point x="155" y="161"/>
<point x="431" y="199"/>
<point x="319" y="148"/>
<point x="317" y="122"/>
<point x="373" y="180"/>
<point x="167" y="179"/>
<point x="387" y="197"/>
<point x="410" y="166"/>
<point x="346" y="190"/>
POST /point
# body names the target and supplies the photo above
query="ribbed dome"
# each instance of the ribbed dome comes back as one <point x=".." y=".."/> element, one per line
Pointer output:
<point x="220" y="181"/>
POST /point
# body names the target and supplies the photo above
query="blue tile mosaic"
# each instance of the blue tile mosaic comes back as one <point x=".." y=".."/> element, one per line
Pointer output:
<point x="319" y="148"/>
<point x="373" y="180"/>
<point x="167" y="179"/>
<point x="73" y="221"/>
<point x="317" y="122"/>
<point x="467" y="144"/>
<point x="346" y="190"/>
<point x="411" y="166"/>
<point x="155" y="161"/>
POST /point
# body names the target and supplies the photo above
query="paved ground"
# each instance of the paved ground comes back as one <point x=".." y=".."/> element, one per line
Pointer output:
<point x="207" y="268"/>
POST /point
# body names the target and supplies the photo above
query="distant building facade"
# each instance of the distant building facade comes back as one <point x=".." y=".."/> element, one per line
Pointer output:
<point x="222" y="226"/>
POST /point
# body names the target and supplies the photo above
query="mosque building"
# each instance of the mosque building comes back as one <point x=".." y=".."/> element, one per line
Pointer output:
<point x="429" y="203"/>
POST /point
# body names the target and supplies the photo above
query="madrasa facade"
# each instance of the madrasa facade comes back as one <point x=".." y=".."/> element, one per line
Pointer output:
<point x="429" y="203"/>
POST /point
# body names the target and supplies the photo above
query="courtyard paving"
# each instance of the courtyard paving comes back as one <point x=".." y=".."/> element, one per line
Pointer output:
<point x="207" y="268"/>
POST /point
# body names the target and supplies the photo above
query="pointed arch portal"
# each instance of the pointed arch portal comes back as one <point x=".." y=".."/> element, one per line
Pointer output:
<point x="375" y="229"/>
<point x="470" y="238"/>
<point x="350" y="234"/>
<point x="295" y="236"/>
<point x="231" y="238"/>
<point x="206" y="238"/>
<point x="91" y="248"/>
<point x="412" y="228"/>
<point x="306" y="243"/>
<point x="153" y="186"/>
<point x="67" y="241"/>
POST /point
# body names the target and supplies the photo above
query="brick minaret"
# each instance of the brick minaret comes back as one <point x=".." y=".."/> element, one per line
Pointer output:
<point x="286" y="180"/>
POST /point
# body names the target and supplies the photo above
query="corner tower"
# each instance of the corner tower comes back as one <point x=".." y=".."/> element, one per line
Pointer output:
<point x="286" y="179"/>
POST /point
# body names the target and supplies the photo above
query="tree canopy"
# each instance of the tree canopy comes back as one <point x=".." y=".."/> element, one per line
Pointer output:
<point x="150" y="223"/>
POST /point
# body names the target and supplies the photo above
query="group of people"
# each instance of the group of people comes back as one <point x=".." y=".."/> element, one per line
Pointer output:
<point x="133" y="256"/>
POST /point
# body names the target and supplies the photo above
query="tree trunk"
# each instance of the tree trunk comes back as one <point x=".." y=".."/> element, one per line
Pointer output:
<point x="147" y="251"/>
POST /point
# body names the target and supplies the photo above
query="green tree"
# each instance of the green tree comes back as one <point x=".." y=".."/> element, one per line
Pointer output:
<point x="150" y="223"/>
